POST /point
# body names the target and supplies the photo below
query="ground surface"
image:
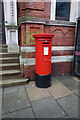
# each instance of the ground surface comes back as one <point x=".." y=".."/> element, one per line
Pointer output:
<point x="60" y="100"/>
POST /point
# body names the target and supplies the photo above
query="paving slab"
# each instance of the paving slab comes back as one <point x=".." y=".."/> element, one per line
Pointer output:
<point x="24" y="113"/>
<point x="21" y="88"/>
<point x="36" y="93"/>
<point x="58" y="90"/>
<point x="15" y="101"/>
<point x="0" y="91"/>
<point x="70" y="105"/>
<point x="76" y="78"/>
<point x="68" y="81"/>
<point x="76" y="92"/>
<point x="12" y="89"/>
<point x="0" y="107"/>
<point x="47" y="108"/>
<point x="32" y="83"/>
<point x="27" y="85"/>
<point x="54" y="80"/>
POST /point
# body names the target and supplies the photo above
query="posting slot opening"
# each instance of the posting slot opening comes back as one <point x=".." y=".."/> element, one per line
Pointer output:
<point x="46" y="43"/>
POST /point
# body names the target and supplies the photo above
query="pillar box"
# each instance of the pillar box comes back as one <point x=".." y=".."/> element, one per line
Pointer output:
<point x="43" y="45"/>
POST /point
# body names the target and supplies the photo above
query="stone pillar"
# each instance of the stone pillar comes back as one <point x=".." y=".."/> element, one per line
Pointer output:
<point x="79" y="8"/>
<point x="73" y="11"/>
<point x="53" y="9"/>
<point x="10" y="11"/>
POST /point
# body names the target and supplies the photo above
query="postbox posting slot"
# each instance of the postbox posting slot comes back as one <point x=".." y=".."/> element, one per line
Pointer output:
<point x="45" y="43"/>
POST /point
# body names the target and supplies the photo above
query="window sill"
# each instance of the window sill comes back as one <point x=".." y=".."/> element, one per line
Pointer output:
<point x="62" y="23"/>
<point x="25" y="19"/>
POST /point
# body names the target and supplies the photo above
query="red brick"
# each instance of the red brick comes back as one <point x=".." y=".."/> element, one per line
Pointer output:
<point x="61" y="68"/>
<point x="62" y="52"/>
<point x="30" y="72"/>
<point x="47" y="6"/>
<point x="29" y="55"/>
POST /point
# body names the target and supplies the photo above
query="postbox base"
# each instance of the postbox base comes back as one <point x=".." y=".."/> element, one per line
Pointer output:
<point x="43" y="81"/>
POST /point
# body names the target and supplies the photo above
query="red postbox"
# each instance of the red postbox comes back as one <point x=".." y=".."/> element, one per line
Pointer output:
<point x="43" y="45"/>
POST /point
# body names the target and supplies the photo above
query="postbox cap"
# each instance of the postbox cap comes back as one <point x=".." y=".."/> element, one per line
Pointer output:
<point x="42" y="35"/>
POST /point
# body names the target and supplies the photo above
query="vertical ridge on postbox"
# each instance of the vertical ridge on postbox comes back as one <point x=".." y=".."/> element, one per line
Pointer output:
<point x="43" y="44"/>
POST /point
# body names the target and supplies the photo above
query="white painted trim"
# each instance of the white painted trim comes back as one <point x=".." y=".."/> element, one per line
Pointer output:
<point x="73" y="10"/>
<point x="78" y="13"/>
<point x="54" y="48"/>
<point x="54" y="59"/>
<point x="29" y="61"/>
<point x="28" y="49"/>
<point x="62" y="48"/>
<point x="53" y="9"/>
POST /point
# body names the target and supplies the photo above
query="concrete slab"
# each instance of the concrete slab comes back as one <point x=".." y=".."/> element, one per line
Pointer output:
<point x="24" y="113"/>
<point x="68" y="81"/>
<point x="58" y="90"/>
<point x="54" y="80"/>
<point x="35" y="93"/>
<point x="12" y="89"/>
<point x="76" y="92"/>
<point x="70" y="105"/>
<point x="32" y="83"/>
<point x="76" y="78"/>
<point x="0" y="107"/>
<point x="21" y="88"/>
<point x="27" y="85"/>
<point x="47" y="108"/>
<point x="0" y="91"/>
<point x="15" y="101"/>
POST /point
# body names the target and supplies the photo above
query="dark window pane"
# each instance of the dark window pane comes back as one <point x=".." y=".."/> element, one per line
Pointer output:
<point x="62" y="10"/>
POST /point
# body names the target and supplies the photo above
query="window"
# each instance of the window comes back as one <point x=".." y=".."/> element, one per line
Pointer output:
<point x="62" y="10"/>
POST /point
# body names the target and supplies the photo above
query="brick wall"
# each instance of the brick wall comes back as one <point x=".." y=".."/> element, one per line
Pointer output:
<point x="62" y="43"/>
<point x="34" y="9"/>
<point x="63" y="36"/>
<point x="27" y="30"/>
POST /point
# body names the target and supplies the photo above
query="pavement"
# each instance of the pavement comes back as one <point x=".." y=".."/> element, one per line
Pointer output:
<point x="60" y="100"/>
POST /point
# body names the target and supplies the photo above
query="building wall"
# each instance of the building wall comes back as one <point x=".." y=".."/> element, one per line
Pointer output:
<point x="34" y="9"/>
<point x="37" y="20"/>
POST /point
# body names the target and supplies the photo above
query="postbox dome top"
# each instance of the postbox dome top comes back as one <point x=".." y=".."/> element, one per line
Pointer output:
<point x="42" y="35"/>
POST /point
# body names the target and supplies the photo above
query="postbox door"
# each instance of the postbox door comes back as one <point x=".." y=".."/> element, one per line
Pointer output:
<point x="46" y="57"/>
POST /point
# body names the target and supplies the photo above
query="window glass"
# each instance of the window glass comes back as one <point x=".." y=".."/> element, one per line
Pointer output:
<point x="62" y="10"/>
